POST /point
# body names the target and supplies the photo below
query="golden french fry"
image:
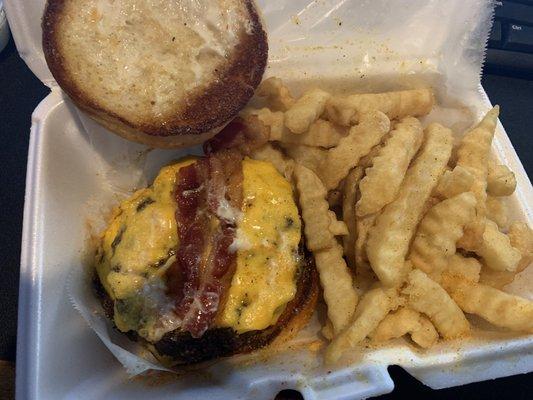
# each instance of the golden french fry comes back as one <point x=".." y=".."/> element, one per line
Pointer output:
<point x="454" y="182"/>
<point x="348" y="110"/>
<point x="348" y="213"/>
<point x="463" y="268"/>
<point x="373" y="307"/>
<point x="406" y="321"/>
<point x="309" y="157"/>
<point x="339" y="293"/>
<point x="361" y="139"/>
<point x="277" y="95"/>
<point x="306" y="110"/>
<point x="473" y="234"/>
<point x="460" y="269"/>
<point x="521" y="238"/>
<point x="382" y="181"/>
<point x="314" y="208"/>
<point x="500" y="180"/>
<point x="389" y="239"/>
<point x="426" y="335"/>
<point x="336" y="227"/>
<point x="321" y="133"/>
<point x="395" y="325"/>
<point x="474" y="151"/>
<point x="497" y="211"/>
<point x="496" y="279"/>
<point x="273" y="121"/>
<point x="438" y="232"/>
<point x="268" y="153"/>
<point x="428" y="297"/>
<point x="496" y="250"/>
<point x="362" y="227"/>
<point x="497" y="307"/>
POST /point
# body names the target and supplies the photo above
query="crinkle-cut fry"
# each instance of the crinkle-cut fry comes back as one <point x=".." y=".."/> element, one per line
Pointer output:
<point x="339" y="293"/>
<point x="474" y="152"/>
<point x="500" y="180"/>
<point x="389" y="239"/>
<point x="497" y="307"/>
<point x="314" y="206"/>
<point x="454" y="182"/>
<point x="406" y="321"/>
<point x="460" y="269"/>
<point x="396" y="105"/>
<point x="496" y="279"/>
<point x="426" y="335"/>
<point x="361" y="139"/>
<point x="268" y="153"/>
<point x="309" y="157"/>
<point x="321" y="133"/>
<point x="348" y="214"/>
<point x="473" y="234"/>
<point x="306" y="110"/>
<point x="438" y="232"/>
<point x="463" y="268"/>
<point x="395" y="325"/>
<point x="373" y="307"/>
<point x="336" y="227"/>
<point x="382" y="181"/>
<point x="521" y="237"/>
<point x="278" y="96"/>
<point x="428" y="297"/>
<point x="362" y="227"/>
<point x="496" y="249"/>
<point x="497" y="211"/>
<point x="272" y="120"/>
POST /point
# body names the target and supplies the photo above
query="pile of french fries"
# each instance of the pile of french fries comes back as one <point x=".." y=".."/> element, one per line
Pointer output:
<point x="408" y="230"/>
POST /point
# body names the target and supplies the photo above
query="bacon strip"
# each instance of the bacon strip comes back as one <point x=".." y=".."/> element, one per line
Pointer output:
<point x="241" y="134"/>
<point x="204" y="265"/>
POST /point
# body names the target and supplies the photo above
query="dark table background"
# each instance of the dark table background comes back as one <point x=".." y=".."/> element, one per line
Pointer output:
<point x="21" y="91"/>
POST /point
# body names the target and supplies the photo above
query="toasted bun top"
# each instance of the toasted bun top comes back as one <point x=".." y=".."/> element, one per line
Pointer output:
<point x="163" y="67"/>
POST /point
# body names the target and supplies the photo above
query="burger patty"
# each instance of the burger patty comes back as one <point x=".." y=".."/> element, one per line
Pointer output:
<point x="183" y="349"/>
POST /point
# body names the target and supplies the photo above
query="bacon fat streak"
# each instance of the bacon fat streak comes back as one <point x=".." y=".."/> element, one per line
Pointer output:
<point x="204" y="265"/>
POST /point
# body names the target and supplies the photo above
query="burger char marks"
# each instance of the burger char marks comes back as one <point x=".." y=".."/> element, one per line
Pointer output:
<point x="209" y="198"/>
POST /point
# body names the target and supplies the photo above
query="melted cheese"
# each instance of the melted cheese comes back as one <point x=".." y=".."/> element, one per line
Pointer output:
<point x="267" y="242"/>
<point x="137" y="248"/>
<point x="134" y="251"/>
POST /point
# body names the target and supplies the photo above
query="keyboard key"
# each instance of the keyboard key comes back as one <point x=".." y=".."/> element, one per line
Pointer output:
<point x="517" y="12"/>
<point x="495" y="38"/>
<point x="519" y="37"/>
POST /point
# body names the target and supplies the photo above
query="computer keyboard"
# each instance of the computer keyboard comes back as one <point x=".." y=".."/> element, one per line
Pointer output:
<point x="510" y="47"/>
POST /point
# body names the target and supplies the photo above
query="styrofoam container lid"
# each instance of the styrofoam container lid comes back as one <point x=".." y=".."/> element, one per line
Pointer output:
<point x="24" y="18"/>
<point x="306" y="38"/>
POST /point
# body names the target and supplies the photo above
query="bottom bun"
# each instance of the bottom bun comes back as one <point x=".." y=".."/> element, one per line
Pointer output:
<point x="180" y="348"/>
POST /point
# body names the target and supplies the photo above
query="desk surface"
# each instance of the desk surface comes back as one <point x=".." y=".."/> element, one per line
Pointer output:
<point x="21" y="92"/>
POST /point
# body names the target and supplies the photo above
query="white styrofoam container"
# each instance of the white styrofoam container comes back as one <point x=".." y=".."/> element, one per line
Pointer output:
<point x="59" y="357"/>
